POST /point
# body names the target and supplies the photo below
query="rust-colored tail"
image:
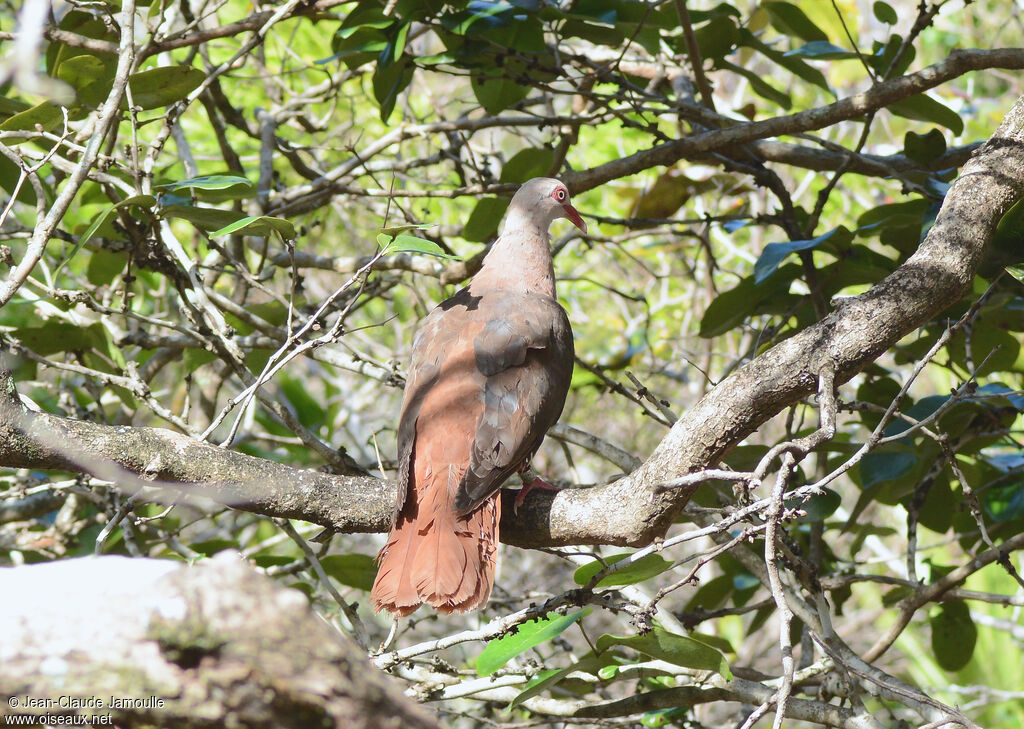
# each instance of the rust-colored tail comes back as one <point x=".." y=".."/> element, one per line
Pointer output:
<point x="433" y="556"/>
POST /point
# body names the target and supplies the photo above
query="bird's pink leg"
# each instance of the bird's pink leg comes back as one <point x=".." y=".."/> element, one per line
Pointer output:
<point x="529" y="484"/>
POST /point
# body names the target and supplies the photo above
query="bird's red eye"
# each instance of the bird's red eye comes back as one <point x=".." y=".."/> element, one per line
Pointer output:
<point x="560" y="194"/>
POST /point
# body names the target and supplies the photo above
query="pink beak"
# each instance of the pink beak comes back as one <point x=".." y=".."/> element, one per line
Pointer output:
<point x="574" y="217"/>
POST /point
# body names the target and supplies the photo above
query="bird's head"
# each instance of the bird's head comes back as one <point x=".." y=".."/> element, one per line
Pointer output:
<point x="546" y="199"/>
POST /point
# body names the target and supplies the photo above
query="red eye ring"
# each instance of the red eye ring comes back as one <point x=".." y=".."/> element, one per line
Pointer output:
<point x="560" y="194"/>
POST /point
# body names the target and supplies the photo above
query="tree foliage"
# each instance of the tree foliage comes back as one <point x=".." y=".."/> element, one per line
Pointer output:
<point x="225" y="220"/>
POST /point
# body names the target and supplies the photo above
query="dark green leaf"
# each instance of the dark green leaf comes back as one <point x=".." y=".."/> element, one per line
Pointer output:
<point x="590" y="663"/>
<point x="214" y="187"/>
<point x="731" y="307"/>
<point x="501" y="650"/>
<point x="46" y="115"/>
<point x="527" y="164"/>
<point x="679" y="650"/>
<point x="818" y="507"/>
<point x="1008" y="242"/>
<point x="104" y="267"/>
<point x="10" y="107"/>
<point x="163" y="86"/>
<point x="258" y="225"/>
<point x="791" y="20"/>
<point x="924" y="108"/>
<point x="774" y="253"/>
<point x="90" y="76"/>
<point x="718" y="37"/>
<point x="895" y="595"/>
<point x="193" y="359"/>
<point x="954" y="634"/>
<point x="404" y="243"/>
<point x="924" y="148"/>
<point x="646" y="567"/>
<point x="601" y="35"/>
<point x="389" y="80"/>
<point x="354" y="570"/>
<point x="939" y="507"/>
<point x="879" y="467"/>
<point x="496" y="93"/>
<point x="885" y="13"/>
<point x="210" y="547"/>
<point x="202" y="217"/>
<point x="483" y="222"/>
<point x="883" y="55"/>
<point x="1005" y="502"/>
<point x="822" y="50"/>
<point x="53" y="337"/>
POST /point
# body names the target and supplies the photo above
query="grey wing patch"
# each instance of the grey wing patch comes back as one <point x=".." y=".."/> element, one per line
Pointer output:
<point x="499" y="346"/>
<point x="507" y="433"/>
<point x="528" y="366"/>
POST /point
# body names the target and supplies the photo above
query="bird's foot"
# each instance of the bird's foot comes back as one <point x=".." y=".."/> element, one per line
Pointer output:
<point x="535" y="483"/>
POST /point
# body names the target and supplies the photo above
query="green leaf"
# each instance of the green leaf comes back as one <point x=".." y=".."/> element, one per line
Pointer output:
<point x="774" y="253"/>
<point x="646" y="567"/>
<point x="879" y="467"/>
<point x="590" y="663"/>
<point x="10" y="174"/>
<point x="404" y="243"/>
<point x="883" y="54"/>
<point x="527" y="164"/>
<point x="679" y="650"/>
<point x="954" y="634"/>
<point x="163" y="86"/>
<point x="731" y="307"/>
<point x="10" y="107"/>
<point x="53" y="337"/>
<point x="210" y="547"/>
<point x="46" y="115"/>
<point x="354" y="570"/>
<point x="924" y="148"/>
<point x="818" y="506"/>
<point x="601" y="35"/>
<point x="204" y="218"/>
<point x="1008" y="241"/>
<point x="885" y="13"/>
<point x="483" y="221"/>
<point x="193" y="359"/>
<point x="142" y="201"/>
<point x="389" y="80"/>
<point x="104" y="266"/>
<point x="822" y="50"/>
<point x="214" y="187"/>
<point x="258" y="225"/>
<point x="1004" y="502"/>
<point x="924" y="108"/>
<point x="792" y="21"/>
<point x="90" y="76"/>
<point x="717" y="37"/>
<point x="496" y="93"/>
<point x="501" y="650"/>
